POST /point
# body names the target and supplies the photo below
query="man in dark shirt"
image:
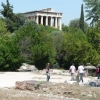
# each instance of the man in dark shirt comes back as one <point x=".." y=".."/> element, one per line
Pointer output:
<point x="98" y="72"/>
<point x="47" y="71"/>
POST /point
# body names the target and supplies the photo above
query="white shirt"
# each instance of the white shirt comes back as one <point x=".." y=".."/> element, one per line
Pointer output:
<point x="72" y="69"/>
<point x="81" y="69"/>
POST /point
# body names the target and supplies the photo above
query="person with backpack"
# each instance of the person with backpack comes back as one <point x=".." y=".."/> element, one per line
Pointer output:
<point x="96" y="71"/>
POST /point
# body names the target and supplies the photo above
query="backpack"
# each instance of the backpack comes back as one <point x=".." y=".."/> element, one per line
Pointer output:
<point x="97" y="70"/>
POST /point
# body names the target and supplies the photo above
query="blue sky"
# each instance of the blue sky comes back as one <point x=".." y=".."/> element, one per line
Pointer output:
<point x="71" y="9"/>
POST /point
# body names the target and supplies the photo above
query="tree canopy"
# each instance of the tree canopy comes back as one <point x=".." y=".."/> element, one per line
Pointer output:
<point x="74" y="25"/>
<point x="93" y="10"/>
<point x="13" y="21"/>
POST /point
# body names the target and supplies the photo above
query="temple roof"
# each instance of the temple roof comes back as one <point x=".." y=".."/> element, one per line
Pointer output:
<point x="47" y="10"/>
<point x="44" y="10"/>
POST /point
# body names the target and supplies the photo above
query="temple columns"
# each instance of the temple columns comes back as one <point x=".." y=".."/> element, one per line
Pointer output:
<point x="46" y="20"/>
<point x="60" y="24"/>
<point x="55" y="22"/>
<point x="42" y="20"/>
<point x="49" y="21"/>
<point x="37" y="19"/>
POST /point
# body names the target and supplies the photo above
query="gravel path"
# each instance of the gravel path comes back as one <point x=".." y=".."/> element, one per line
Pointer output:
<point x="8" y="79"/>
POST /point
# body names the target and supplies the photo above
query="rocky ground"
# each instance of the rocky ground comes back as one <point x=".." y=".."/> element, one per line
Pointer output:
<point x="59" y="88"/>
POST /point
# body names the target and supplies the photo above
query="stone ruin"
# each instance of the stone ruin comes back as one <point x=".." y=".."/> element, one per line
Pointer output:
<point x="93" y="83"/>
<point x="90" y="69"/>
<point x="27" y="67"/>
<point x="31" y="85"/>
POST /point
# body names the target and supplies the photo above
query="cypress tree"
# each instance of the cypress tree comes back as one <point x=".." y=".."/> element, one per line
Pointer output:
<point x="81" y="21"/>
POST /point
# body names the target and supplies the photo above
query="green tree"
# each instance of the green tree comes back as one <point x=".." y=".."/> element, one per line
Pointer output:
<point x="65" y="28"/>
<point x="9" y="53"/>
<point x="93" y="10"/>
<point x="13" y="21"/>
<point x="81" y="21"/>
<point x="19" y="20"/>
<point x="7" y="12"/>
<point x="93" y="35"/>
<point x="57" y="40"/>
<point x="78" y="50"/>
<point x="36" y="44"/>
<point x="3" y="29"/>
<point x="74" y="25"/>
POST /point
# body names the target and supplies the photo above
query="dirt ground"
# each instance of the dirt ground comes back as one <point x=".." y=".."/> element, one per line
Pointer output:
<point x="56" y="89"/>
<point x="8" y="79"/>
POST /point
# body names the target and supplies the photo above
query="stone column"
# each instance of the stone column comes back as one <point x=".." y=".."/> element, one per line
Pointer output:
<point x="55" y="22"/>
<point x="51" y="21"/>
<point x="42" y="20"/>
<point x="46" y="20"/>
<point x="33" y="18"/>
<point x="60" y="23"/>
<point x="37" y="20"/>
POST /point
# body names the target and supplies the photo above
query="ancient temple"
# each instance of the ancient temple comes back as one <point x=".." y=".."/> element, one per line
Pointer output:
<point x="45" y="17"/>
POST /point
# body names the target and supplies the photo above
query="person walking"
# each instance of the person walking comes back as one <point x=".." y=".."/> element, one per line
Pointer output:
<point x="48" y="71"/>
<point x="81" y="72"/>
<point x="98" y="72"/>
<point x="72" y="70"/>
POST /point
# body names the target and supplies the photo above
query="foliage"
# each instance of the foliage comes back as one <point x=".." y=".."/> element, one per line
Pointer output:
<point x="8" y="10"/>
<point x="74" y="25"/>
<point x="65" y="28"/>
<point x="3" y="29"/>
<point x="35" y="44"/>
<point x="97" y="25"/>
<point x="9" y="24"/>
<point x="58" y="39"/>
<point x="93" y="10"/>
<point x="81" y="20"/>
<point x="93" y="35"/>
<point x="19" y="20"/>
<point x="13" y="21"/>
<point x="9" y="54"/>
<point x="78" y="50"/>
